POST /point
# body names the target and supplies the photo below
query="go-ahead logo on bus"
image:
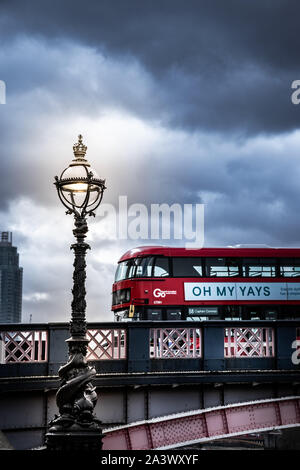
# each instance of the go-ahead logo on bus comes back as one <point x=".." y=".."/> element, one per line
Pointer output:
<point x="242" y="291"/>
<point x="163" y="293"/>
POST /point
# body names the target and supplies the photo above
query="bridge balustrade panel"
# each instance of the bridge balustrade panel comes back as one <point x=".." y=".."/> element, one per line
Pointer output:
<point x="249" y="342"/>
<point x="106" y="344"/>
<point x="175" y="343"/>
<point x="25" y="346"/>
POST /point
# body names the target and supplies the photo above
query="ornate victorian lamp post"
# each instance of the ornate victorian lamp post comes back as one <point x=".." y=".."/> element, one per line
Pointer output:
<point x="76" y="428"/>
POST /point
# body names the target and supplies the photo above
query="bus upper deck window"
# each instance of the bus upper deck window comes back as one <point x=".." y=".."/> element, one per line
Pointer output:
<point x="259" y="267"/>
<point x="126" y="269"/>
<point x="161" y="267"/>
<point x="122" y="270"/>
<point x="290" y="267"/>
<point x="222" y="267"/>
<point x="187" y="267"/>
<point x="131" y="268"/>
<point x="144" y="267"/>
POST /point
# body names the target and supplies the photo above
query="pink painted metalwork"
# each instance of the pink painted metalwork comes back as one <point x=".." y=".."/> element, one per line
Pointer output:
<point x="174" y="343"/>
<point x="205" y="425"/>
<point x="249" y="342"/>
<point x="26" y="346"/>
<point x="106" y="344"/>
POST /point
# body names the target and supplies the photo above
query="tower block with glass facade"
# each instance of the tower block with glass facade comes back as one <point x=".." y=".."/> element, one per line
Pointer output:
<point x="11" y="277"/>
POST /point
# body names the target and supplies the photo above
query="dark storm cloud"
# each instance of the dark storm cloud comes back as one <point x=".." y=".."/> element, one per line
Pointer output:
<point x="222" y="66"/>
<point x="48" y="86"/>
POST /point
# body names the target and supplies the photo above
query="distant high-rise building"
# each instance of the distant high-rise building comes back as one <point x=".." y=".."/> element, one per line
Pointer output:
<point x="11" y="277"/>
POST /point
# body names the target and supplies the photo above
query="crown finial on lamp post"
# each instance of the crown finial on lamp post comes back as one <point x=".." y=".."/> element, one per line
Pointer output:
<point x="79" y="148"/>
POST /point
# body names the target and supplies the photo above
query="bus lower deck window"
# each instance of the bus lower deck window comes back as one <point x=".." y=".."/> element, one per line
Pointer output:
<point x="173" y="314"/>
<point x="154" y="314"/>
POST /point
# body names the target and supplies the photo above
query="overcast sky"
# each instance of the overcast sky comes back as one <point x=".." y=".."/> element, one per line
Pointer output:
<point x="178" y="102"/>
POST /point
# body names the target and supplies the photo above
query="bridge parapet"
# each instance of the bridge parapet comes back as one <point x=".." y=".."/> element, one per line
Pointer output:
<point x="133" y="347"/>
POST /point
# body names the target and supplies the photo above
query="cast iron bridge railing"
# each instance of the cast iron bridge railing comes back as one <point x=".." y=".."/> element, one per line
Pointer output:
<point x="32" y="346"/>
<point x="154" y="346"/>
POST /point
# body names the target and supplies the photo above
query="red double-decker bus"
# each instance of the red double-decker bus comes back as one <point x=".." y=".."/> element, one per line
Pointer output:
<point x="234" y="283"/>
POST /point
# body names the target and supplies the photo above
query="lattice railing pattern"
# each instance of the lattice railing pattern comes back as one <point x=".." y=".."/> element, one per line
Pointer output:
<point x="249" y="342"/>
<point x="25" y="346"/>
<point x="175" y="343"/>
<point x="106" y="344"/>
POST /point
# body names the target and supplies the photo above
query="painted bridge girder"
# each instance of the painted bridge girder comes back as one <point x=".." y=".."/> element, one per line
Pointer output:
<point x="205" y="425"/>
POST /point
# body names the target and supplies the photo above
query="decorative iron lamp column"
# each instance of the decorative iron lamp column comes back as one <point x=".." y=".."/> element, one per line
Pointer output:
<point x="76" y="428"/>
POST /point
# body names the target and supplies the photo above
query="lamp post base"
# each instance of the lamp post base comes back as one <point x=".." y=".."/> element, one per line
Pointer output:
<point x="75" y="441"/>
